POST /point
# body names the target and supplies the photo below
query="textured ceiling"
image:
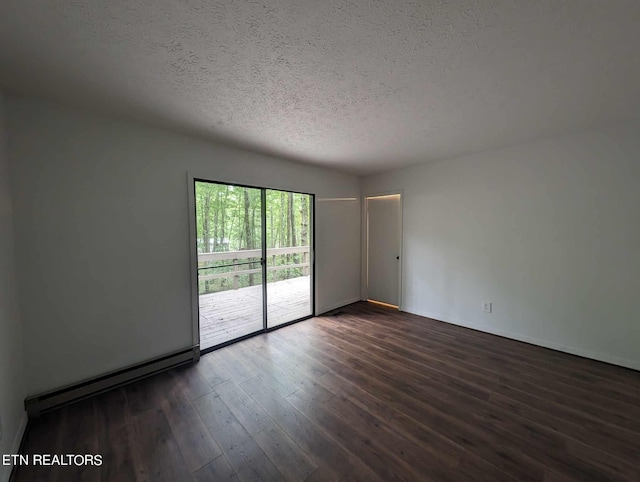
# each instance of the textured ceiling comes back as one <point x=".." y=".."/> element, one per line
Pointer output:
<point x="360" y="85"/>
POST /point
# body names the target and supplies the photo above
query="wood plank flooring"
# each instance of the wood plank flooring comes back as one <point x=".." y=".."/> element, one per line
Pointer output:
<point x="368" y="394"/>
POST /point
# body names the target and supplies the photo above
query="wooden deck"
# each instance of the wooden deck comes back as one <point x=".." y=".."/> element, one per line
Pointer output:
<point x="231" y="314"/>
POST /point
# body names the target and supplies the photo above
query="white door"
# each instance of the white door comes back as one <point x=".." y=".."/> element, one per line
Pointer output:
<point x="383" y="251"/>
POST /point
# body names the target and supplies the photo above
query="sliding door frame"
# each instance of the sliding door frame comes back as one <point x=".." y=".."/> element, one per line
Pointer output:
<point x="193" y="252"/>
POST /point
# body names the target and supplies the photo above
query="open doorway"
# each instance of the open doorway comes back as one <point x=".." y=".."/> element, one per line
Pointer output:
<point x="383" y="232"/>
<point x="253" y="260"/>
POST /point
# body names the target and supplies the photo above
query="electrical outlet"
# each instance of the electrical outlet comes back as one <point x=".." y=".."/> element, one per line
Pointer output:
<point x="486" y="306"/>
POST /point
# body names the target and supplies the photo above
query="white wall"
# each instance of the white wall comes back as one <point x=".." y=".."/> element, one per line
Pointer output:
<point x="103" y="242"/>
<point x="548" y="231"/>
<point x="342" y="247"/>
<point x="12" y="387"/>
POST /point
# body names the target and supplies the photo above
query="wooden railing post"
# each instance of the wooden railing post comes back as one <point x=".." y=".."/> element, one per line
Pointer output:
<point x="236" y="278"/>
<point x="273" y="263"/>
<point x="305" y="260"/>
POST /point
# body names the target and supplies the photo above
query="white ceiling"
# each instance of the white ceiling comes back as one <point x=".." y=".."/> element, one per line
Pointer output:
<point x="360" y="85"/>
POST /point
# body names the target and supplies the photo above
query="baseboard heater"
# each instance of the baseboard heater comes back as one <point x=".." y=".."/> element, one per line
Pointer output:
<point x="51" y="400"/>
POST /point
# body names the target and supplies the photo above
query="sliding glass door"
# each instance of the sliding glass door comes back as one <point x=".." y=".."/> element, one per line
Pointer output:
<point x="229" y="243"/>
<point x="289" y="235"/>
<point x="254" y="260"/>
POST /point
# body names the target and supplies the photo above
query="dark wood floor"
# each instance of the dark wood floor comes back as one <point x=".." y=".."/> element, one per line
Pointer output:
<point x="368" y="394"/>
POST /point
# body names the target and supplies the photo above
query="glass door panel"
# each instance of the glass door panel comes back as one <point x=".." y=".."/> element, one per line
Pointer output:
<point x="289" y="256"/>
<point x="230" y="266"/>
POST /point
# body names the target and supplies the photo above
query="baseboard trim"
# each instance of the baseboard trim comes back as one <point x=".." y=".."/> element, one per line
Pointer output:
<point x="53" y="399"/>
<point x="338" y="305"/>
<point x="571" y="350"/>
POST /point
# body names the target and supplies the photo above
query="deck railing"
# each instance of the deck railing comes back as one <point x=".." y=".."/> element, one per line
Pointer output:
<point x="234" y="256"/>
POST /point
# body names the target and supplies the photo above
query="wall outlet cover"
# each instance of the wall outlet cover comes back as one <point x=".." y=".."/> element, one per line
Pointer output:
<point x="487" y="306"/>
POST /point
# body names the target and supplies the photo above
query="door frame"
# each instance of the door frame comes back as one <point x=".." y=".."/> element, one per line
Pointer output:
<point x="364" y="289"/>
<point x="193" y="259"/>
